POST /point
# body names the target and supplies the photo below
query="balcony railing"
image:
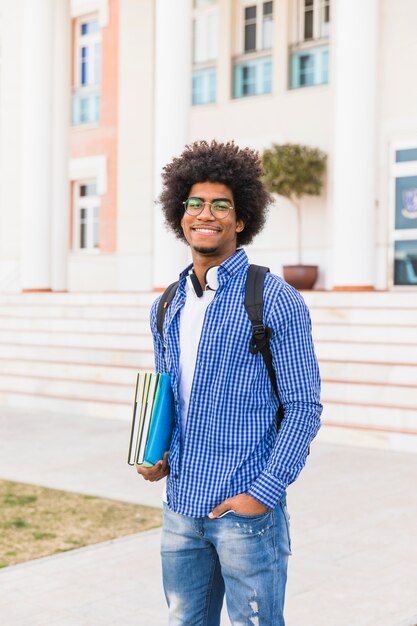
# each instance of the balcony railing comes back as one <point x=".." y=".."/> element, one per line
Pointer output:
<point x="86" y="105"/>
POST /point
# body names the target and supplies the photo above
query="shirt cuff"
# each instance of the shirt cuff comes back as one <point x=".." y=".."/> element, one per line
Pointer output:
<point x="267" y="489"/>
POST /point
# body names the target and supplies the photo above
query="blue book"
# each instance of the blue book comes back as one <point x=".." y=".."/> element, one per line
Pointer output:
<point x="162" y="422"/>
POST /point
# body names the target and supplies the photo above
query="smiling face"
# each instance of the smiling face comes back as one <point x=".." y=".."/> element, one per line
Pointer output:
<point x="207" y="236"/>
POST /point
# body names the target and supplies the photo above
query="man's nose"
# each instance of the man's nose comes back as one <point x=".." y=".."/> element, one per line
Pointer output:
<point x="206" y="212"/>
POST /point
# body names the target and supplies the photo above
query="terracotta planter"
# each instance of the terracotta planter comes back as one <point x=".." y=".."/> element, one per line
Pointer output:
<point x="301" y="276"/>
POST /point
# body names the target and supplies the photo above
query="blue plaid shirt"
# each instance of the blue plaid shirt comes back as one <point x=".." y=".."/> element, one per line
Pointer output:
<point x="231" y="445"/>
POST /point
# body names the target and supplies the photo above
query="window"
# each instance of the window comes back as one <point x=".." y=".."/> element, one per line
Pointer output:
<point x="309" y="55"/>
<point x="86" y="96"/>
<point x="88" y="51"/>
<point x="267" y="26"/>
<point x="250" y="29"/>
<point x="308" y="20"/>
<point x="257" y="26"/>
<point x="87" y="216"/>
<point x="205" y="28"/>
<point x="324" y="19"/>
<point x="252" y="67"/>
<point x="253" y="78"/>
<point x="405" y="263"/>
<point x="205" y="37"/>
<point x="204" y="86"/>
<point x="313" y="19"/>
<point x="310" y="67"/>
<point x="404" y="216"/>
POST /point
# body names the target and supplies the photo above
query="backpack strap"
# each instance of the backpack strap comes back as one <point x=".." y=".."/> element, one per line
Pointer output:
<point x="254" y="305"/>
<point x="163" y="304"/>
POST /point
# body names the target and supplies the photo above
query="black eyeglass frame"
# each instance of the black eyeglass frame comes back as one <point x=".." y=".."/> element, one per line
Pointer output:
<point x="230" y="207"/>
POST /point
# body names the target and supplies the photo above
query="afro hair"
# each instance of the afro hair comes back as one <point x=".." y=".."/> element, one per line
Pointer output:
<point x="226" y="163"/>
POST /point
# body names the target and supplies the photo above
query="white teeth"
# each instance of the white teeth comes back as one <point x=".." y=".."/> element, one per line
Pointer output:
<point x="205" y="230"/>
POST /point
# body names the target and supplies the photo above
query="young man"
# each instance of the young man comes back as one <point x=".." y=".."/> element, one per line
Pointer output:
<point x="225" y="527"/>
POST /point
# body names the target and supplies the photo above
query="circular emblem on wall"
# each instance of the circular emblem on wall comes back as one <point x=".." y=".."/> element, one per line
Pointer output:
<point x="409" y="210"/>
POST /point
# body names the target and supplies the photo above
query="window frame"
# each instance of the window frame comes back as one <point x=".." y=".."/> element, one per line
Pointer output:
<point x="399" y="169"/>
<point x="241" y="23"/>
<point x="262" y="67"/>
<point x="90" y="203"/>
<point x="318" y="8"/>
<point x="205" y="68"/>
<point x="80" y="41"/>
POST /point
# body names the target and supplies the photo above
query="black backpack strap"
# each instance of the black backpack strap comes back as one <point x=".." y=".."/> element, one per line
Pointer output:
<point x="254" y="305"/>
<point x="163" y="304"/>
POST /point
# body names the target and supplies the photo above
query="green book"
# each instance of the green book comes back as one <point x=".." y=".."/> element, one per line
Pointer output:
<point x="139" y="406"/>
<point x="162" y="422"/>
<point x="143" y="436"/>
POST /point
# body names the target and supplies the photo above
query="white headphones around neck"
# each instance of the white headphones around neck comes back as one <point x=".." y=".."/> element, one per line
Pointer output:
<point x="211" y="281"/>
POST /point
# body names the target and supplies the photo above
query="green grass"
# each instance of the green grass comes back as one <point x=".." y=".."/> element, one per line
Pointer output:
<point x="36" y="522"/>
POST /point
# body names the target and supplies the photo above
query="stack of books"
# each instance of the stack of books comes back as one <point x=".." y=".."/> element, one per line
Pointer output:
<point x="153" y="419"/>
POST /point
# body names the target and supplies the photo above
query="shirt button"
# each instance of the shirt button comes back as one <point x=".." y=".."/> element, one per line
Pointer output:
<point x="175" y="476"/>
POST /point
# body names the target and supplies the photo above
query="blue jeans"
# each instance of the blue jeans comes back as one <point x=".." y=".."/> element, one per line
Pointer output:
<point x="242" y="556"/>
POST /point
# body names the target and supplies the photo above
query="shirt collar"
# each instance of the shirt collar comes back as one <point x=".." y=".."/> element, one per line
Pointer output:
<point x="230" y="267"/>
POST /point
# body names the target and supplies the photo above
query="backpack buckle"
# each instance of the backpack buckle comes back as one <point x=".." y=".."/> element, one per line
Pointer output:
<point x="260" y="338"/>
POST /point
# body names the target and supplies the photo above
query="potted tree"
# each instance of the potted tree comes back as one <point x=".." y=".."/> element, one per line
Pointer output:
<point x="294" y="171"/>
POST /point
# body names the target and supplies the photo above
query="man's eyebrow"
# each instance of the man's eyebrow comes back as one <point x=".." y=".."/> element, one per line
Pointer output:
<point x="214" y="199"/>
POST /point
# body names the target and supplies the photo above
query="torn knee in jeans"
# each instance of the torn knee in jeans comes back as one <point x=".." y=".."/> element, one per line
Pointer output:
<point x="254" y="618"/>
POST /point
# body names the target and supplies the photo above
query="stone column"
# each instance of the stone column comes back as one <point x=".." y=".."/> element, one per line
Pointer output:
<point x="354" y="75"/>
<point x="61" y="120"/>
<point x="36" y="145"/>
<point x="172" y="102"/>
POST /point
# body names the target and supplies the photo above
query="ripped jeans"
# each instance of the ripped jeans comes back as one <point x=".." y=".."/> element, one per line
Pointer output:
<point x="242" y="556"/>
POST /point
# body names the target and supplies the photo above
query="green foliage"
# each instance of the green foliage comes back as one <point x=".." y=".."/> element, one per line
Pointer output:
<point x="12" y="499"/>
<point x="293" y="170"/>
<point x="39" y="535"/>
<point x="16" y="523"/>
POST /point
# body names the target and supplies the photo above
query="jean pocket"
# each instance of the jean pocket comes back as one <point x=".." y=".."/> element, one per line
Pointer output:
<point x="249" y="517"/>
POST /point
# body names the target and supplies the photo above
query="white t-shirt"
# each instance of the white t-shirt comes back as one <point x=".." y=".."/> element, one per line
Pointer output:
<point x="191" y="323"/>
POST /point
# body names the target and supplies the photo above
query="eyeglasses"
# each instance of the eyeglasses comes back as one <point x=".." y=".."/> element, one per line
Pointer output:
<point x="219" y="208"/>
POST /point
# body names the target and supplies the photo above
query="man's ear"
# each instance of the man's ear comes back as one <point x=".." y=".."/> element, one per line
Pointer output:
<point x="240" y="225"/>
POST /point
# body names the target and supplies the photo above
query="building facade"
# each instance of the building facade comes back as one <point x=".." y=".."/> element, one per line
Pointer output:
<point x="97" y="95"/>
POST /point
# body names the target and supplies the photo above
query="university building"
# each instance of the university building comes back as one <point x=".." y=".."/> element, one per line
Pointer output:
<point x="97" y="95"/>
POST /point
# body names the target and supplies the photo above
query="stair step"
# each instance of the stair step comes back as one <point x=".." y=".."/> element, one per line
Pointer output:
<point x="372" y="417"/>
<point x="84" y="340"/>
<point x="369" y="372"/>
<point x="367" y="438"/>
<point x="361" y="351"/>
<point x="143" y="359"/>
<point x="88" y="391"/>
<point x="109" y="299"/>
<point x="361" y="392"/>
<point x="71" y="371"/>
<point x="367" y="334"/>
<point x="66" y="325"/>
<point x="73" y="311"/>
<point x="385" y="317"/>
<point x="357" y="300"/>
<point x="68" y="406"/>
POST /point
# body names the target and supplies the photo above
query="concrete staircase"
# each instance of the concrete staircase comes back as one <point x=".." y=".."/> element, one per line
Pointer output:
<point x="79" y="353"/>
<point x="366" y="344"/>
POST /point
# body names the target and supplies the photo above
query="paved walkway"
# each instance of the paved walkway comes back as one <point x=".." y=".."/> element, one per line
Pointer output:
<point x="354" y="533"/>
